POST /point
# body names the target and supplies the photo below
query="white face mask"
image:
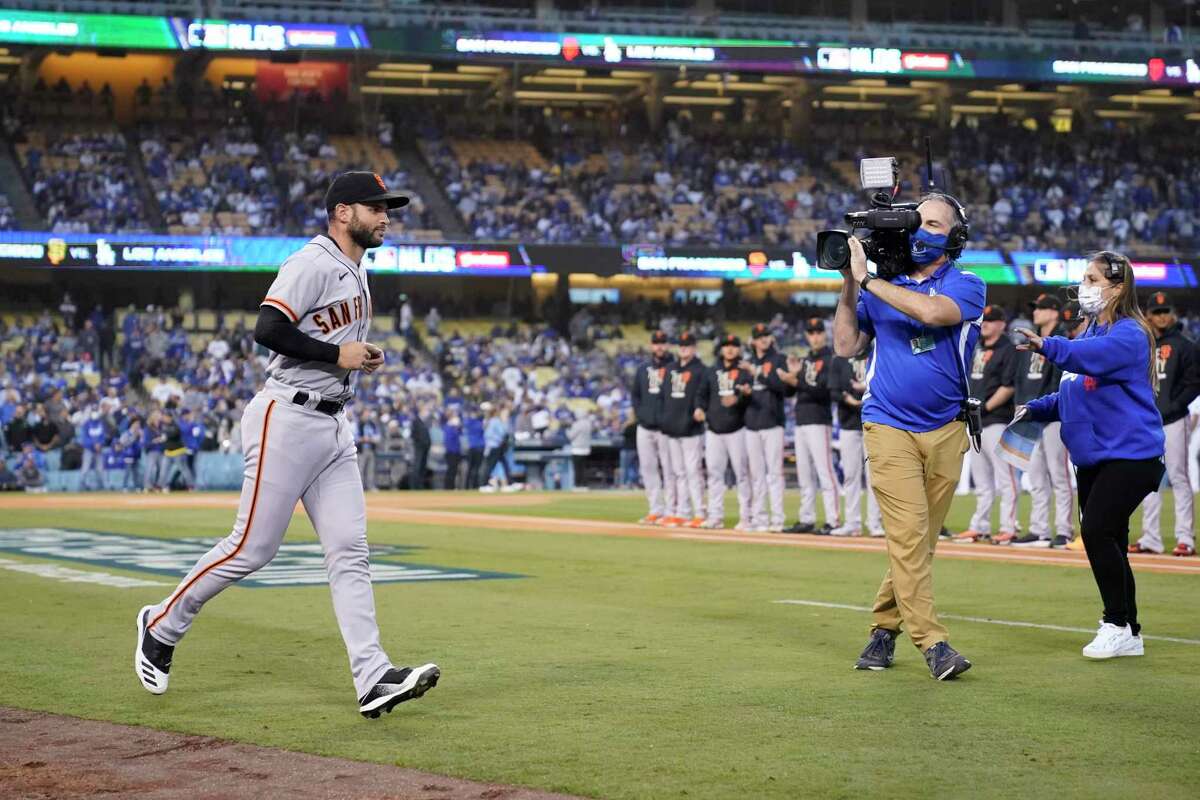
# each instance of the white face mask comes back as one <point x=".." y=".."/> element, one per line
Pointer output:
<point x="1091" y="299"/>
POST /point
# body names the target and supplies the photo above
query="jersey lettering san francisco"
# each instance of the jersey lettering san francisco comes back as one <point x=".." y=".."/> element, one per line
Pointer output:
<point x="325" y="294"/>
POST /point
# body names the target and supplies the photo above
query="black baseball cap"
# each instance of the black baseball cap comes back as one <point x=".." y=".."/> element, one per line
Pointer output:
<point x="814" y="324"/>
<point x="1072" y="314"/>
<point x="1160" y="302"/>
<point x="361" y="187"/>
<point x="686" y="338"/>
<point x="729" y="338"/>
<point x="759" y="330"/>
<point x="1047" y="301"/>
<point x="994" y="314"/>
<point x="659" y="337"/>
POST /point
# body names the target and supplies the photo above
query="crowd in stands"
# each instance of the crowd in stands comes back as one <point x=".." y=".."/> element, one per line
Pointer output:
<point x="308" y="162"/>
<point x="7" y="220"/>
<point x="79" y="175"/>
<point x="214" y="180"/>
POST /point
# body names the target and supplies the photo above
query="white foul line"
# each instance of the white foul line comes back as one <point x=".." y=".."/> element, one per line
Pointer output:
<point x="1010" y="623"/>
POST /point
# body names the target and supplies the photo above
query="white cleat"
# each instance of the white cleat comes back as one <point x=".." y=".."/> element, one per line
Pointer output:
<point x="151" y="658"/>
<point x="1112" y="641"/>
<point x="846" y="530"/>
<point x="712" y="524"/>
<point x="777" y="528"/>
<point x="878" y="533"/>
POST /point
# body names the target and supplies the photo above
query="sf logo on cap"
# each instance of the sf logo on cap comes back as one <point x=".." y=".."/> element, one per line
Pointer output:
<point x="379" y="180"/>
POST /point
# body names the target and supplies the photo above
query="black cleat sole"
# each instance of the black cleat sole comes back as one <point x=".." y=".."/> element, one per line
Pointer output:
<point x="423" y="685"/>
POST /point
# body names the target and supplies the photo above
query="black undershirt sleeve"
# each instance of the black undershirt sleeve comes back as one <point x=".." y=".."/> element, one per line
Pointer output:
<point x="275" y="331"/>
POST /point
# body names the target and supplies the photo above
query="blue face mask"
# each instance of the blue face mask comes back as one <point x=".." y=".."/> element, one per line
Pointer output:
<point x="926" y="247"/>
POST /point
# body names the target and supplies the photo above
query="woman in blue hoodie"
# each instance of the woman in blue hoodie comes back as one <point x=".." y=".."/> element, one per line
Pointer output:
<point x="1113" y="431"/>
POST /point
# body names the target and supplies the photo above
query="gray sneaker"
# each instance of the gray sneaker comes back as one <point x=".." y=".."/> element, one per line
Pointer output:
<point x="945" y="663"/>
<point x="879" y="652"/>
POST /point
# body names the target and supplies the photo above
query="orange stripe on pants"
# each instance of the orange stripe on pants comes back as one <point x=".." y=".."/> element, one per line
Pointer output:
<point x="262" y="455"/>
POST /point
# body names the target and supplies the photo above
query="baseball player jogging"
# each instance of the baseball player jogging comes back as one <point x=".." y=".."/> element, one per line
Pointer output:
<point x="724" y="397"/>
<point x="683" y="424"/>
<point x="299" y="446"/>
<point x="764" y="429"/>
<point x="814" y="433"/>
<point x="654" y="459"/>
<point x="1177" y="359"/>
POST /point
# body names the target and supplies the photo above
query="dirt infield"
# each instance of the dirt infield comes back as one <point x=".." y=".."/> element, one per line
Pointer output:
<point x="431" y="508"/>
<point x="62" y="758"/>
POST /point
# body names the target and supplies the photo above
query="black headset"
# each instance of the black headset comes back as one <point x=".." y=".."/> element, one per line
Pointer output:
<point x="956" y="239"/>
<point x="1114" y="265"/>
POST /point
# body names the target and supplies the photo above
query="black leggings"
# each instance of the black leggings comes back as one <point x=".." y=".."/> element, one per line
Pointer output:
<point x="1109" y="493"/>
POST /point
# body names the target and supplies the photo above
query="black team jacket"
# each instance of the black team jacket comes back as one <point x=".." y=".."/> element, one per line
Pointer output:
<point x="722" y="381"/>
<point x="766" y="400"/>
<point x="681" y="398"/>
<point x="647" y="392"/>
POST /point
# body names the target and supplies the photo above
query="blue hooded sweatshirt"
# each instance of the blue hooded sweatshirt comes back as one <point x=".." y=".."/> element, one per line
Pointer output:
<point x="1105" y="401"/>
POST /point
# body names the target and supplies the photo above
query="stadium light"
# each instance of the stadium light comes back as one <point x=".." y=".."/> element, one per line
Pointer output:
<point x="1010" y="94"/>
<point x="529" y="94"/>
<point x="865" y="91"/>
<point x="1121" y="113"/>
<point x="851" y="105"/>
<point x="414" y="91"/>
<point x="1152" y="100"/>
<point x="553" y="80"/>
<point x="406" y="67"/>
<point x="688" y="100"/>
<point x="427" y="77"/>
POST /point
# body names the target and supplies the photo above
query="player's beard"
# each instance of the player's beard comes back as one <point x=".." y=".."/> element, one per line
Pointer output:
<point x="362" y="235"/>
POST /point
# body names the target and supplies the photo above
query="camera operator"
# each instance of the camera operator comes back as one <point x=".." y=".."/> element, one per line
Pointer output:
<point x="1113" y="430"/>
<point x="1049" y="466"/>
<point x="1178" y="363"/>
<point x="993" y="373"/>
<point x="924" y="324"/>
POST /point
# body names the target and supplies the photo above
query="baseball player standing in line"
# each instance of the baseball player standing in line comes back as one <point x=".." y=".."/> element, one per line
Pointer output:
<point x="1074" y="324"/>
<point x="764" y="429"/>
<point x="1049" y="464"/>
<point x="683" y="423"/>
<point x="992" y="375"/>
<point x="814" y="432"/>
<point x="654" y="458"/>
<point x="848" y="383"/>
<point x="724" y="396"/>
<point x="299" y="446"/>
<point x="1177" y="360"/>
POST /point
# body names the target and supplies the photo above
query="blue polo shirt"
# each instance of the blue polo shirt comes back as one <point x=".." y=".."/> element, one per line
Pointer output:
<point x="922" y="391"/>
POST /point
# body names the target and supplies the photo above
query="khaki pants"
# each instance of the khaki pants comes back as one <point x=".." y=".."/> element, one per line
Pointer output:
<point x="913" y="476"/>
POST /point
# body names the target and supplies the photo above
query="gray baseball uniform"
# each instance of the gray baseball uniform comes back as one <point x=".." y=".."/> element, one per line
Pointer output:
<point x="991" y="473"/>
<point x="1050" y="467"/>
<point x="764" y="450"/>
<point x="814" y="467"/>
<point x="296" y="453"/>
<point x="855" y="473"/>
<point x="1179" y="434"/>
<point x="658" y="476"/>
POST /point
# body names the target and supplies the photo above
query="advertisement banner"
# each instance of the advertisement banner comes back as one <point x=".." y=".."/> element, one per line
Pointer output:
<point x="86" y="30"/>
<point x="274" y="82"/>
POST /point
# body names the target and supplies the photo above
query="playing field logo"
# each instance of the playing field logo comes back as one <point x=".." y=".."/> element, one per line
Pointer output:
<point x="296" y="564"/>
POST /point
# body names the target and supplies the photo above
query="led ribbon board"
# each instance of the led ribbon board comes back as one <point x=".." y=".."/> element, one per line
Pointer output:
<point x="86" y="30"/>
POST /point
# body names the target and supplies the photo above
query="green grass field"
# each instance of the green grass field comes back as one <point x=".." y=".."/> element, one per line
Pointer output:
<point x="621" y="667"/>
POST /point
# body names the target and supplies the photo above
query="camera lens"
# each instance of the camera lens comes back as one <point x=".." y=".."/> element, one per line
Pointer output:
<point x="833" y="250"/>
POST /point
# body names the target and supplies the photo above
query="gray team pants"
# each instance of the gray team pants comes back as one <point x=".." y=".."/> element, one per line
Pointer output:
<point x="854" y="469"/>
<point x="292" y="454"/>
<point x="686" y="454"/>
<point x="764" y="450"/>
<point x="814" y="453"/>
<point x="721" y="449"/>
<point x="654" y="462"/>
<point x="1050" y="468"/>
<point x="1178" y="435"/>
<point x="990" y="473"/>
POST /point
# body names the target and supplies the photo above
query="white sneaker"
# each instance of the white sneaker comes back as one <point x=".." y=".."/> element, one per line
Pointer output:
<point x="878" y="533"/>
<point x="743" y="526"/>
<point x="777" y="528"/>
<point x="1112" y="641"/>
<point x="712" y="524"/>
<point x="846" y="530"/>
